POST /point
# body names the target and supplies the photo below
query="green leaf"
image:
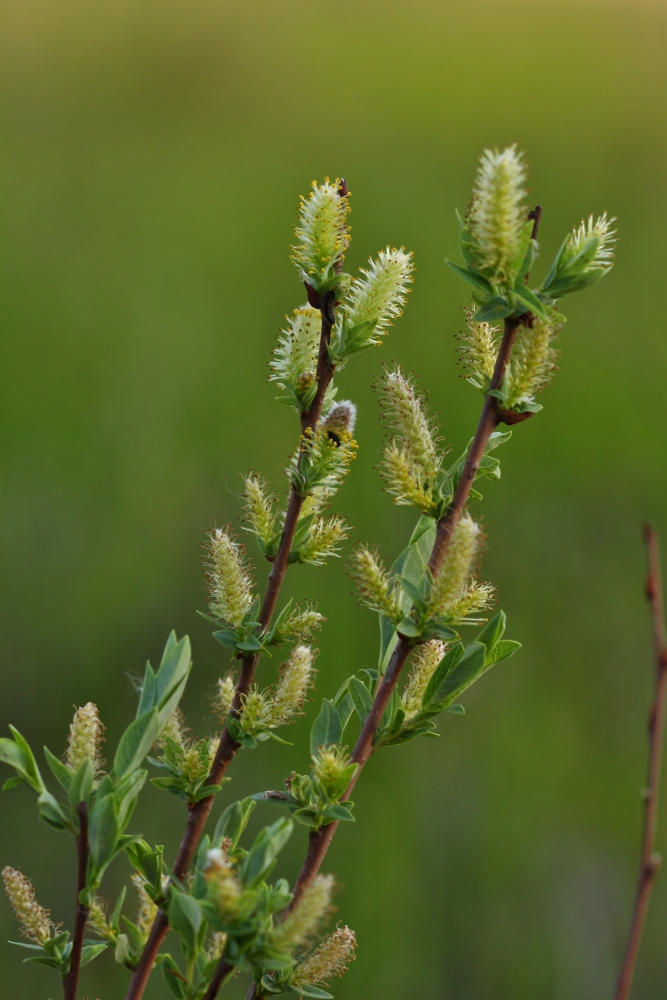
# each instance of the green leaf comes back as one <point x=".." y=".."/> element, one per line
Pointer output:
<point x="136" y="742"/>
<point x="530" y="302"/>
<point x="51" y="813"/>
<point x="503" y="650"/>
<point x="82" y="782"/>
<point x="17" y="754"/>
<point x="176" y="982"/>
<point x="327" y="728"/>
<point x="147" y="699"/>
<point x="494" y="309"/>
<point x="471" y="277"/>
<point x="233" y="821"/>
<point x="91" y="951"/>
<point x="306" y="990"/>
<point x="60" y="772"/>
<point x="185" y="918"/>
<point x="340" y="813"/>
<point x="407" y="628"/>
<point x="263" y="853"/>
<point x="103" y="831"/>
<point x="493" y="631"/>
<point x="388" y="640"/>
<point x="471" y="665"/>
<point x="12" y="783"/>
<point x="361" y="697"/>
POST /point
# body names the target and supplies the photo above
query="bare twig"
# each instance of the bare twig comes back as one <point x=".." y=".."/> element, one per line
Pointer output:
<point x="71" y="980"/>
<point x="650" y="860"/>
<point x="227" y="748"/>
<point x="319" y="840"/>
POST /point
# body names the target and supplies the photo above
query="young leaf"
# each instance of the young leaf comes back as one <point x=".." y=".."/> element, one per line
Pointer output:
<point x="103" y="831"/>
<point x="327" y="728"/>
<point x="135" y="743"/>
<point x="185" y="918"/>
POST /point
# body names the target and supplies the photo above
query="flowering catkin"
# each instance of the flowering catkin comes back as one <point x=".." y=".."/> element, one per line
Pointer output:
<point x="32" y="918"/>
<point x="426" y="659"/>
<point x="380" y="292"/>
<point x="229" y="581"/>
<point x="329" y="960"/>
<point x="375" y="586"/>
<point x="322" y="232"/>
<point x="294" y="680"/>
<point x="85" y="736"/>
<point x="450" y="584"/>
<point x="302" y="923"/>
<point x="498" y="215"/>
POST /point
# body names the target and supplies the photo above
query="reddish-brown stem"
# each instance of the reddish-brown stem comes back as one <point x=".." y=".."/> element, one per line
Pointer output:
<point x="227" y="748"/>
<point x="650" y="861"/>
<point x="71" y="980"/>
<point x="319" y="840"/>
<point x="220" y="976"/>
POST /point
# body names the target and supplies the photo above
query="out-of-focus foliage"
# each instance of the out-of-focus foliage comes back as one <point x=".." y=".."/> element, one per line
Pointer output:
<point x="151" y="157"/>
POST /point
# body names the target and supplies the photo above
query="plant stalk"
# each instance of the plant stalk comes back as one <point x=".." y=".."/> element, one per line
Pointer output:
<point x="71" y="980"/>
<point x="319" y="840"/>
<point x="650" y="860"/>
<point x="227" y="748"/>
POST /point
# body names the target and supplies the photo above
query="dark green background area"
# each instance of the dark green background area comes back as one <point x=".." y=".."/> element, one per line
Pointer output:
<point x="151" y="158"/>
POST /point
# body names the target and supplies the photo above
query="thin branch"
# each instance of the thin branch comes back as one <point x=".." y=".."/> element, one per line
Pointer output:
<point x="319" y="840"/>
<point x="227" y="748"/>
<point x="71" y="980"/>
<point x="650" y="860"/>
<point x="220" y="976"/>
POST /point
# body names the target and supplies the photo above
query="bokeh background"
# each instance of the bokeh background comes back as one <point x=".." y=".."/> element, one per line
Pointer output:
<point x="151" y="157"/>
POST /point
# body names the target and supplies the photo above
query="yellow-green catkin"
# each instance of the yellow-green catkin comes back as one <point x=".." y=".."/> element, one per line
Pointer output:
<point x="498" y="215"/>
<point x="224" y="887"/>
<point x="451" y="582"/>
<point x="375" y="586"/>
<point x="260" y="508"/>
<point x="600" y="229"/>
<point x="175" y="729"/>
<point x="216" y="946"/>
<point x="329" y="960"/>
<point x="533" y="362"/>
<point x="228" y="577"/>
<point x="324" y="541"/>
<point x="194" y="763"/>
<point x="224" y="696"/>
<point x="302" y="923"/>
<point x="146" y="910"/>
<point x="329" y="764"/>
<point x="478" y="351"/>
<point x="85" y="735"/>
<point x="294" y="362"/>
<point x="405" y="411"/>
<point x="256" y="712"/>
<point x="302" y="625"/>
<point x="98" y="922"/>
<point x="379" y="293"/>
<point x="32" y="918"/>
<point x="294" y="679"/>
<point x="322" y="232"/>
<point x="426" y="659"/>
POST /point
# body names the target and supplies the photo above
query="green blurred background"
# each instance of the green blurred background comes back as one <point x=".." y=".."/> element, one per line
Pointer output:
<point x="152" y="155"/>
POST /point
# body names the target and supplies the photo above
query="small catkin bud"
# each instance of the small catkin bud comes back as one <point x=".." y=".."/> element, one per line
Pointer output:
<point x="340" y="419"/>
<point x="302" y="923"/>
<point x="324" y="540"/>
<point x="498" y="215"/>
<point x="375" y="586"/>
<point x="330" y="766"/>
<point x="85" y="735"/>
<point x="229" y="581"/>
<point x="175" y="729"/>
<point x="381" y="290"/>
<point x="294" y="679"/>
<point x="216" y="946"/>
<point x="98" y="922"/>
<point x="194" y="763"/>
<point x="256" y="711"/>
<point x="32" y="918"/>
<point x="224" y="887"/>
<point x="329" y="960"/>
<point x="426" y="659"/>
<point x="259" y="509"/>
<point x="221" y="701"/>
<point x="406" y="414"/>
<point x="213" y="745"/>
<point x="602" y="251"/>
<point x="478" y="351"/>
<point x="451" y="582"/>
<point x="322" y="233"/>
<point x="147" y="909"/>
